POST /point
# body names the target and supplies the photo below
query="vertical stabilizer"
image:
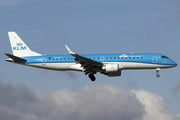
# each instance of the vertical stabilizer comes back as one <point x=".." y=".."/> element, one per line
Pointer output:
<point x="19" y="48"/>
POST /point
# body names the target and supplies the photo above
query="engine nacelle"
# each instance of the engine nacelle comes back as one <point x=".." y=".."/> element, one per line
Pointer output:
<point x="112" y="70"/>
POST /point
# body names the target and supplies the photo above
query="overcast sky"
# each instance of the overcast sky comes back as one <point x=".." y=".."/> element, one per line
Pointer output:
<point x="96" y="26"/>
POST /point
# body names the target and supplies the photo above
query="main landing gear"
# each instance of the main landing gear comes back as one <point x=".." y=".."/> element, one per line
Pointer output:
<point x="92" y="77"/>
<point x="157" y="70"/>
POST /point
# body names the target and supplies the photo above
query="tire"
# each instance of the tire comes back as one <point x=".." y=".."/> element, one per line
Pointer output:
<point x="157" y="75"/>
<point x="92" y="77"/>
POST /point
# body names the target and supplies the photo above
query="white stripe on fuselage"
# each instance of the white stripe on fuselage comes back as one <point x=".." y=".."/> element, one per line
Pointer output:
<point x="77" y="67"/>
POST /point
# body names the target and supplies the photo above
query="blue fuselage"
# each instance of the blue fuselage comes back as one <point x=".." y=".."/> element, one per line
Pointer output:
<point x="127" y="61"/>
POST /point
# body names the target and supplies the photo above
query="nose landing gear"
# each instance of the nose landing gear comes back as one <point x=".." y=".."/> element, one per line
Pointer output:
<point x="157" y="75"/>
<point x="157" y="70"/>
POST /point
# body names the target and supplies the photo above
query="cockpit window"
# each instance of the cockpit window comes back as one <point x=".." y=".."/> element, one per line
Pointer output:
<point x="164" y="57"/>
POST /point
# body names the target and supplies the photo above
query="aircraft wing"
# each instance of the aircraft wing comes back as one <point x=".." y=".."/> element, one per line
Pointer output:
<point x="87" y="63"/>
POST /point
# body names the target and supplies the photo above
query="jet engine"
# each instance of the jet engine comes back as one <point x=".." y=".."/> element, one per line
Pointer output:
<point x="112" y="70"/>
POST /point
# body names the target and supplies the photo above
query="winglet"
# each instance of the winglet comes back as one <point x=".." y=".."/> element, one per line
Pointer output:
<point x="69" y="50"/>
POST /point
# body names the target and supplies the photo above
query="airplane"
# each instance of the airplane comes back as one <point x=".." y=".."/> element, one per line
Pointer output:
<point x="107" y="64"/>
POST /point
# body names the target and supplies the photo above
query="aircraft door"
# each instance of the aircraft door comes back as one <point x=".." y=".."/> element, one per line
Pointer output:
<point x="43" y="61"/>
<point x="154" y="59"/>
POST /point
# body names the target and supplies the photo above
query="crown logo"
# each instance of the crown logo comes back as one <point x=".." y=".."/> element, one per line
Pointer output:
<point x="19" y="44"/>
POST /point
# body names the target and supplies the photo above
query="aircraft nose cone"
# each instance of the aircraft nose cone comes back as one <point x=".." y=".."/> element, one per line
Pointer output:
<point x="174" y="63"/>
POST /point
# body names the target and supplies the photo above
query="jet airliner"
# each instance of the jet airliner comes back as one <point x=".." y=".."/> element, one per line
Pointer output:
<point x="107" y="64"/>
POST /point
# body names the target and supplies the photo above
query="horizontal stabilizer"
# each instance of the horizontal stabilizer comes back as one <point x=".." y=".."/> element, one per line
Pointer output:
<point x="15" y="57"/>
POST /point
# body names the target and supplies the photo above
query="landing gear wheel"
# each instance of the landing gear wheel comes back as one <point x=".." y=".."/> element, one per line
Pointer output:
<point x="157" y="70"/>
<point x="92" y="77"/>
<point x="157" y="75"/>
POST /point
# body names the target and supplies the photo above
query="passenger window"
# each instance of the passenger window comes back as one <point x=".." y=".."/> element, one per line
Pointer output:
<point x="129" y="57"/>
<point x="141" y="57"/>
<point x="122" y="57"/>
<point x="53" y="58"/>
<point x="107" y="58"/>
<point x="114" y="57"/>
<point x="133" y="57"/>
<point x="126" y="57"/>
<point x="60" y="58"/>
<point x="68" y="58"/>
<point x="71" y="58"/>
<point x="110" y="57"/>
<point x="64" y="58"/>
<point x="56" y="58"/>
<point x="118" y="57"/>
<point x="137" y="57"/>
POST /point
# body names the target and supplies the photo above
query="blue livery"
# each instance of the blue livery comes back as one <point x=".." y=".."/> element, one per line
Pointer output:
<point x="107" y="64"/>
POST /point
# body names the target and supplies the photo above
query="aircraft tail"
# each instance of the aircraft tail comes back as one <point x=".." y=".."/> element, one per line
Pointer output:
<point x="19" y="48"/>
